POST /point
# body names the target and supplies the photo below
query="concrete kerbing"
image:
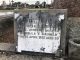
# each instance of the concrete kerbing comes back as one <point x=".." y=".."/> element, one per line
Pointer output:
<point x="7" y="47"/>
<point x="71" y="41"/>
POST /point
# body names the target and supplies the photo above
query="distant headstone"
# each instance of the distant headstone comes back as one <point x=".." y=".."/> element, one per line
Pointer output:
<point x="4" y="4"/>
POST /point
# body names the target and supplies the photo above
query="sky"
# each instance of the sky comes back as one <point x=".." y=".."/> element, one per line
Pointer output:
<point x="27" y="1"/>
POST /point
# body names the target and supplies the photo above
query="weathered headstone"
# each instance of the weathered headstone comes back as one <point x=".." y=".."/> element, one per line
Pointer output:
<point x="41" y="31"/>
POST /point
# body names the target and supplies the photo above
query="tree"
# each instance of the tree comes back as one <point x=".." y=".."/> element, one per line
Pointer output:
<point x="37" y="4"/>
<point x="17" y="4"/>
<point x="43" y="4"/>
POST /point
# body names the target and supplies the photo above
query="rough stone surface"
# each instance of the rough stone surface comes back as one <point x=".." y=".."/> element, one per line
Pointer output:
<point x="73" y="31"/>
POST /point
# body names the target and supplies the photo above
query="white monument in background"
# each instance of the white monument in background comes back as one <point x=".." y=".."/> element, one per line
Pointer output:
<point x="4" y="5"/>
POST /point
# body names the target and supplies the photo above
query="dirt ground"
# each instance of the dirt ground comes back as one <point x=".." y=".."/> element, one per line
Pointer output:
<point x="7" y="31"/>
<point x="8" y="36"/>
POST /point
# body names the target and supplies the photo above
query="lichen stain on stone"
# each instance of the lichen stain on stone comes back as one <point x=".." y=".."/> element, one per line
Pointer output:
<point x="42" y="17"/>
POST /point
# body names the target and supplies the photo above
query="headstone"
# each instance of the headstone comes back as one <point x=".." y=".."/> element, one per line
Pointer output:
<point x="41" y="31"/>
